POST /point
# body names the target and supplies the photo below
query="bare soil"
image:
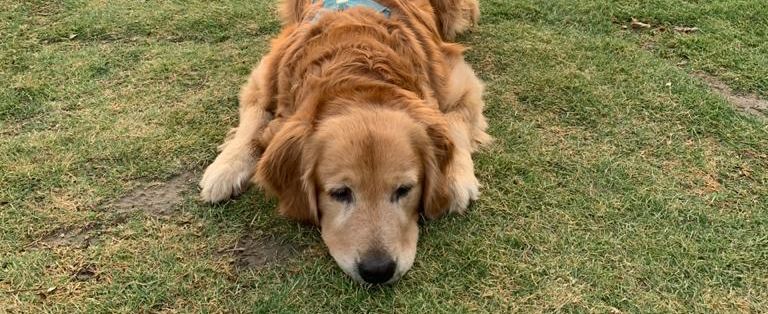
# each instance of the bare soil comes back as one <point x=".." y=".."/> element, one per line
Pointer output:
<point x="747" y="103"/>
<point x="253" y="252"/>
<point x="157" y="198"/>
<point x="73" y="236"/>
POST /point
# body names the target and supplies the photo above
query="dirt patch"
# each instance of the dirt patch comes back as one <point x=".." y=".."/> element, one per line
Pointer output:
<point x="254" y="252"/>
<point x="85" y="272"/>
<point x="750" y="103"/>
<point x="156" y="198"/>
<point x="77" y="237"/>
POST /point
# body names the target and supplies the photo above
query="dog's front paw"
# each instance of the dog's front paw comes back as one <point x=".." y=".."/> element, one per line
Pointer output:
<point x="466" y="189"/>
<point x="224" y="179"/>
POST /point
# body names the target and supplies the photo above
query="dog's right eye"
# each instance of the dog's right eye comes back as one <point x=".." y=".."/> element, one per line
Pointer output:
<point x="401" y="192"/>
<point x="342" y="195"/>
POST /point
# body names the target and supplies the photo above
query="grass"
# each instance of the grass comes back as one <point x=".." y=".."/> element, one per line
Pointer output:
<point x="619" y="182"/>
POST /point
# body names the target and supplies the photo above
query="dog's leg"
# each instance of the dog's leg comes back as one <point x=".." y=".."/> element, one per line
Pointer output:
<point x="230" y="173"/>
<point x="467" y="129"/>
<point x="461" y="172"/>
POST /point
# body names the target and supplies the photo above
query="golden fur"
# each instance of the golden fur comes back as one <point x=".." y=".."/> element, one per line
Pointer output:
<point x="357" y="102"/>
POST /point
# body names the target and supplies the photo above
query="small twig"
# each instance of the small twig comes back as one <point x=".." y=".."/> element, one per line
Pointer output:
<point x="237" y="249"/>
<point x="27" y="290"/>
<point x="254" y="219"/>
<point x="30" y="244"/>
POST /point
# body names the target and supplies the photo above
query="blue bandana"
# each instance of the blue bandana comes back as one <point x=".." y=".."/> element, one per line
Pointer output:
<point x="341" y="5"/>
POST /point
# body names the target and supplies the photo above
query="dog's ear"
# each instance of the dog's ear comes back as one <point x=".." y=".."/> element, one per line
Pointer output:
<point x="292" y="11"/>
<point x="285" y="170"/>
<point x="437" y="154"/>
<point x="455" y="16"/>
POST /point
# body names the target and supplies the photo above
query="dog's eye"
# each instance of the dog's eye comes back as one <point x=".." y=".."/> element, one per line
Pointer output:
<point x="401" y="192"/>
<point x="343" y="195"/>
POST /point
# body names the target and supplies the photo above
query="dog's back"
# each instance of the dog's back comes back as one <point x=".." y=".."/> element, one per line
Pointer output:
<point x="450" y="17"/>
<point x="337" y="54"/>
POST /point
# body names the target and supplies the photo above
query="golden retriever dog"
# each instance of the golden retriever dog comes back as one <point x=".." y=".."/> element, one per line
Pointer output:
<point x="360" y="119"/>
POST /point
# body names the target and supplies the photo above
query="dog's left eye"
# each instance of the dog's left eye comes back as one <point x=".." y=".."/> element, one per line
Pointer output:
<point x="401" y="192"/>
<point x="342" y="195"/>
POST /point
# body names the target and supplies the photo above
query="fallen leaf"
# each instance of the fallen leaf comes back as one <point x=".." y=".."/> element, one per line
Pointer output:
<point x="45" y="293"/>
<point x="84" y="273"/>
<point x="744" y="170"/>
<point x="637" y="24"/>
<point x="686" y="30"/>
<point x="711" y="184"/>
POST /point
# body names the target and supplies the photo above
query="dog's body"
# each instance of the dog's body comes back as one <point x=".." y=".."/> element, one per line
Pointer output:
<point x="357" y="120"/>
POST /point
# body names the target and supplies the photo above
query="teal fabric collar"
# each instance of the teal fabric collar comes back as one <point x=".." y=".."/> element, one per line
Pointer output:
<point x="341" y="5"/>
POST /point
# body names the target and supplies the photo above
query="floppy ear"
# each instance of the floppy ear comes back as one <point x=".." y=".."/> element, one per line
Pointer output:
<point x="455" y="16"/>
<point x="437" y="155"/>
<point x="292" y="11"/>
<point x="284" y="170"/>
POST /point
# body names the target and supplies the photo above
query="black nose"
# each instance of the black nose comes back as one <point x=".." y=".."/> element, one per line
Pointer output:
<point x="376" y="268"/>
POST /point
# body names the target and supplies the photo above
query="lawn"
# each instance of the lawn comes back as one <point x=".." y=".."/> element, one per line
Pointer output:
<point x="625" y="176"/>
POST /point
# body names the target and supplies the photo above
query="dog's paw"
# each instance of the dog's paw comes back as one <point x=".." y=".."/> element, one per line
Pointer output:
<point x="466" y="189"/>
<point x="224" y="179"/>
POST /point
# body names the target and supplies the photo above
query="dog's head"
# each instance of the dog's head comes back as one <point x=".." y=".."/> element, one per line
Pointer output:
<point x="364" y="176"/>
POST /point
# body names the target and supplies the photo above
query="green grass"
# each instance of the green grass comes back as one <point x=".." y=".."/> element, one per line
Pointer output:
<point x="618" y="181"/>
